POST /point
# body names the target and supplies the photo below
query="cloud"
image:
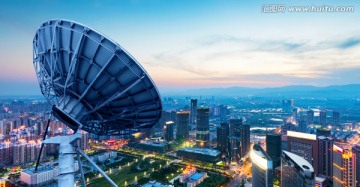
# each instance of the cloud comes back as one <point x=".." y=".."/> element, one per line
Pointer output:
<point x="235" y="60"/>
<point x="349" y="43"/>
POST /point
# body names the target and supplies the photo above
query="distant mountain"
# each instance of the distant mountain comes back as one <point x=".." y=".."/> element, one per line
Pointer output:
<point x="335" y="91"/>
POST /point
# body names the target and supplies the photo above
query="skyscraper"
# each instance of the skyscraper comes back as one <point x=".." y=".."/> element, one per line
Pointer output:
<point x="344" y="166"/>
<point x="335" y="118"/>
<point x="182" y="128"/>
<point x="193" y="110"/>
<point x="30" y="152"/>
<point x="304" y="145"/>
<point x="296" y="171"/>
<point x="234" y="123"/>
<point x="169" y="131"/>
<point x="325" y="156"/>
<point x="294" y="114"/>
<point x="84" y="141"/>
<point x="6" y="153"/>
<point x="323" y="132"/>
<point x="223" y="111"/>
<point x="322" y="120"/>
<point x="356" y="151"/>
<point x="222" y="137"/>
<point x="310" y="117"/>
<point x="19" y="153"/>
<point x="202" y="127"/>
<point x="243" y="132"/>
<point x="262" y="167"/>
<point x="234" y="146"/>
<point x="303" y="123"/>
<point x="273" y="148"/>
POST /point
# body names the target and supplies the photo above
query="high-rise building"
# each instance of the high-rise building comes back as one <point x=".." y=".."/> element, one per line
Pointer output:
<point x="193" y="110"/>
<point x="182" y="125"/>
<point x="344" y="166"/>
<point x="296" y="171"/>
<point x="2" y="129"/>
<point x="234" y="123"/>
<point x="302" y="123"/>
<point x="234" y="145"/>
<point x="243" y="132"/>
<point x="6" y="153"/>
<point x="19" y="153"/>
<point x="262" y="167"/>
<point x="323" y="132"/>
<point x="356" y="151"/>
<point x="304" y="145"/>
<point x="30" y="155"/>
<point x="173" y="116"/>
<point x="273" y="148"/>
<point x="169" y="131"/>
<point x="223" y="111"/>
<point x="294" y="114"/>
<point x="84" y="141"/>
<point x="325" y="156"/>
<point x="310" y="117"/>
<point x="322" y="116"/>
<point x="222" y="137"/>
<point x="335" y="118"/>
<point x="202" y="127"/>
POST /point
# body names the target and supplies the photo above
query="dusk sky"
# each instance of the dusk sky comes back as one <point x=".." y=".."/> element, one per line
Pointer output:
<point x="186" y="44"/>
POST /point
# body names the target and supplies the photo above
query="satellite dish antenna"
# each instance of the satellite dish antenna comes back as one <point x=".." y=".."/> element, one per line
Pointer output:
<point x="93" y="84"/>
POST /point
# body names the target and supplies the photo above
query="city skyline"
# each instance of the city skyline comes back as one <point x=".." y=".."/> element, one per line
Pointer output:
<point x="186" y="45"/>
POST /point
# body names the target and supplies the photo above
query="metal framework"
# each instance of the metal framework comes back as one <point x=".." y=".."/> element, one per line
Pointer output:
<point x="66" y="160"/>
<point x="92" y="81"/>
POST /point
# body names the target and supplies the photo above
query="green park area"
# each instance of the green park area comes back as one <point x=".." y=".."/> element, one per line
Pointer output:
<point x="135" y="169"/>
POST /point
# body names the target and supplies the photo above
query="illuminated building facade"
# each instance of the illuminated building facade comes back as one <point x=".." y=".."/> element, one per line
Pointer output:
<point x="202" y="127"/>
<point x="304" y="145"/>
<point x="200" y="154"/>
<point x="193" y="110"/>
<point x="356" y="150"/>
<point x="262" y="167"/>
<point x="234" y="148"/>
<point x="243" y="132"/>
<point x="182" y="125"/>
<point x="169" y="131"/>
<point x="344" y="166"/>
<point x="296" y="171"/>
<point x="2" y="183"/>
<point x="19" y="153"/>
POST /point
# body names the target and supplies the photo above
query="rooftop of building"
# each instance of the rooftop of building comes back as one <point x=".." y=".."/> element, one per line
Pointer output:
<point x="301" y="135"/>
<point x="304" y="165"/>
<point x="184" y="112"/>
<point x="197" y="176"/>
<point x="260" y="157"/>
<point x="320" y="179"/>
<point x="31" y="171"/>
<point x="154" y="143"/>
<point x="204" y="151"/>
<point x="323" y="138"/>
<point x="169" y="122"/>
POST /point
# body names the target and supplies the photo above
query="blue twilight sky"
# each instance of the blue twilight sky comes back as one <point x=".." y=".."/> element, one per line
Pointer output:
<point x="198" y="43"/>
